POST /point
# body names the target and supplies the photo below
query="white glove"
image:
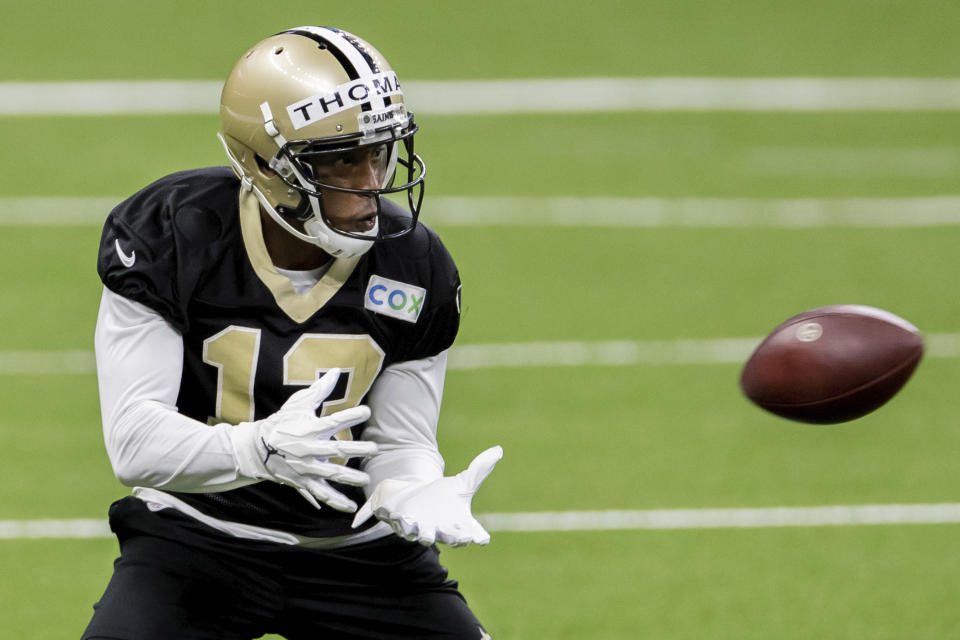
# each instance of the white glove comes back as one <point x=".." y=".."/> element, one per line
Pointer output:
<point x="294" y="447"/>
<point x="434" y="511"/>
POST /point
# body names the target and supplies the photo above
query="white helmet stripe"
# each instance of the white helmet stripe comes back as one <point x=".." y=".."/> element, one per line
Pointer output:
<point x="361" y="63"/>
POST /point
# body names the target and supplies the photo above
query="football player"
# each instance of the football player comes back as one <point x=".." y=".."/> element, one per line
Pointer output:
<point x="271" y="348"/>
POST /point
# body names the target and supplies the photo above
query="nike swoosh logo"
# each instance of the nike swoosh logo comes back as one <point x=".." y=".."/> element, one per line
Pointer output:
<point x="127" y="260"/>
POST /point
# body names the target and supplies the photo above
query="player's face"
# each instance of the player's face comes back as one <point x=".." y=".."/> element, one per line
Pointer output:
<point x="363" y="168"/>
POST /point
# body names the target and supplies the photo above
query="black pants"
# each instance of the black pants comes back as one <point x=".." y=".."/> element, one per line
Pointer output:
<point x="176" y="578"/>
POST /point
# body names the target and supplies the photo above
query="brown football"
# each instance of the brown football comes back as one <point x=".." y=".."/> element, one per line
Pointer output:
<point x="832" y="364"/>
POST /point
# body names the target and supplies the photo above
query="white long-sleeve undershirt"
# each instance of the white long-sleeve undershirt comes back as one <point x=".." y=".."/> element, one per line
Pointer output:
<point x="151" y="445"/>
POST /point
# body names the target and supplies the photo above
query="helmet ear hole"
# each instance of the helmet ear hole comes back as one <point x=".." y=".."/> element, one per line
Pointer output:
<point x="264" y="168"/>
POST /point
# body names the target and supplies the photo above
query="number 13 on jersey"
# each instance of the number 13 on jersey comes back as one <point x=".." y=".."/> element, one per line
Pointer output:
<point x="236" y="350"/>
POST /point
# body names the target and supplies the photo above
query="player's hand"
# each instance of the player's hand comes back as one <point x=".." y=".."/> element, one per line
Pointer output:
<point x="437" y="511"/>
<point x="294" y="447"/>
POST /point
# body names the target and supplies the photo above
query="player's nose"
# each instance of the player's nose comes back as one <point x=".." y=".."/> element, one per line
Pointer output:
<point x="369" y="173"/>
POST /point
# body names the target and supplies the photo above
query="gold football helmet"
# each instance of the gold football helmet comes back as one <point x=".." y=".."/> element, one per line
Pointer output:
<point x="300" y="96"/>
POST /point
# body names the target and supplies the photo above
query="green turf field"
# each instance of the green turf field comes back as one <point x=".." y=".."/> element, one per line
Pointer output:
<point x="672" y="436"/>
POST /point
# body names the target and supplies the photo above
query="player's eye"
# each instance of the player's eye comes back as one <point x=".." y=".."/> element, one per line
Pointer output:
<point x="326" y="163"/>
<point x="348" y="159"/>
<point x="334" y="160"/>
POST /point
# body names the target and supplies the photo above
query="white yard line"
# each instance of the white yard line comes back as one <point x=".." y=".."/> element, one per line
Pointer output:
<point x="55" y="211"/>
<point x="785" y="213"/>
<point x="47" y="363"/>
<point x="754" y="518"/>
<point x="601" y="353"/>
<point x="596" y="212"/>
<point x="889" y="162"/>
<point x="468" y="357"/>
<point x="30" y="529"/>
<point x="840" y="515"/>
<point x="525" y="95"/>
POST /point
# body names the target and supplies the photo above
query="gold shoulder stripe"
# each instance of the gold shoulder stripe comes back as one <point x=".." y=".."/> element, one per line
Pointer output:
<point x="298" y="307"/>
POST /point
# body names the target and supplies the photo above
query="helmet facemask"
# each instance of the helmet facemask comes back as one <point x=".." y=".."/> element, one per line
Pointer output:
<point x="300" y="165"/>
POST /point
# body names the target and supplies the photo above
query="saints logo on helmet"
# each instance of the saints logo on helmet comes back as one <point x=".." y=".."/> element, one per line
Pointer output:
<point x="307" y="95"/>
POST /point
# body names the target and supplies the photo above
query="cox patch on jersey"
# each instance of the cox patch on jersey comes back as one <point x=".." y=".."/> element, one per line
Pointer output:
<point x="395" y="299"/>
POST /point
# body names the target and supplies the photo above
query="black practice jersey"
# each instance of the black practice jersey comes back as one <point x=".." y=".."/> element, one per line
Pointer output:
<point x="183" y="247"/>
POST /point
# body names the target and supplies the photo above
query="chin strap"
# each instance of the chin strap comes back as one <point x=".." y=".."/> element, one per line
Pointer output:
<point x="278" y="163"/>
<point x="246" y="184"/>
<point x="270" y="127"/>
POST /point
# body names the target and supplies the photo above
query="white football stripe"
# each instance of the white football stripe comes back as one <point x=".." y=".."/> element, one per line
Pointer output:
<point x="530" y="95"/>
<point x="546" y="521"/>
<point x="596" y="212"/>
<point x="467" y="357"/>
